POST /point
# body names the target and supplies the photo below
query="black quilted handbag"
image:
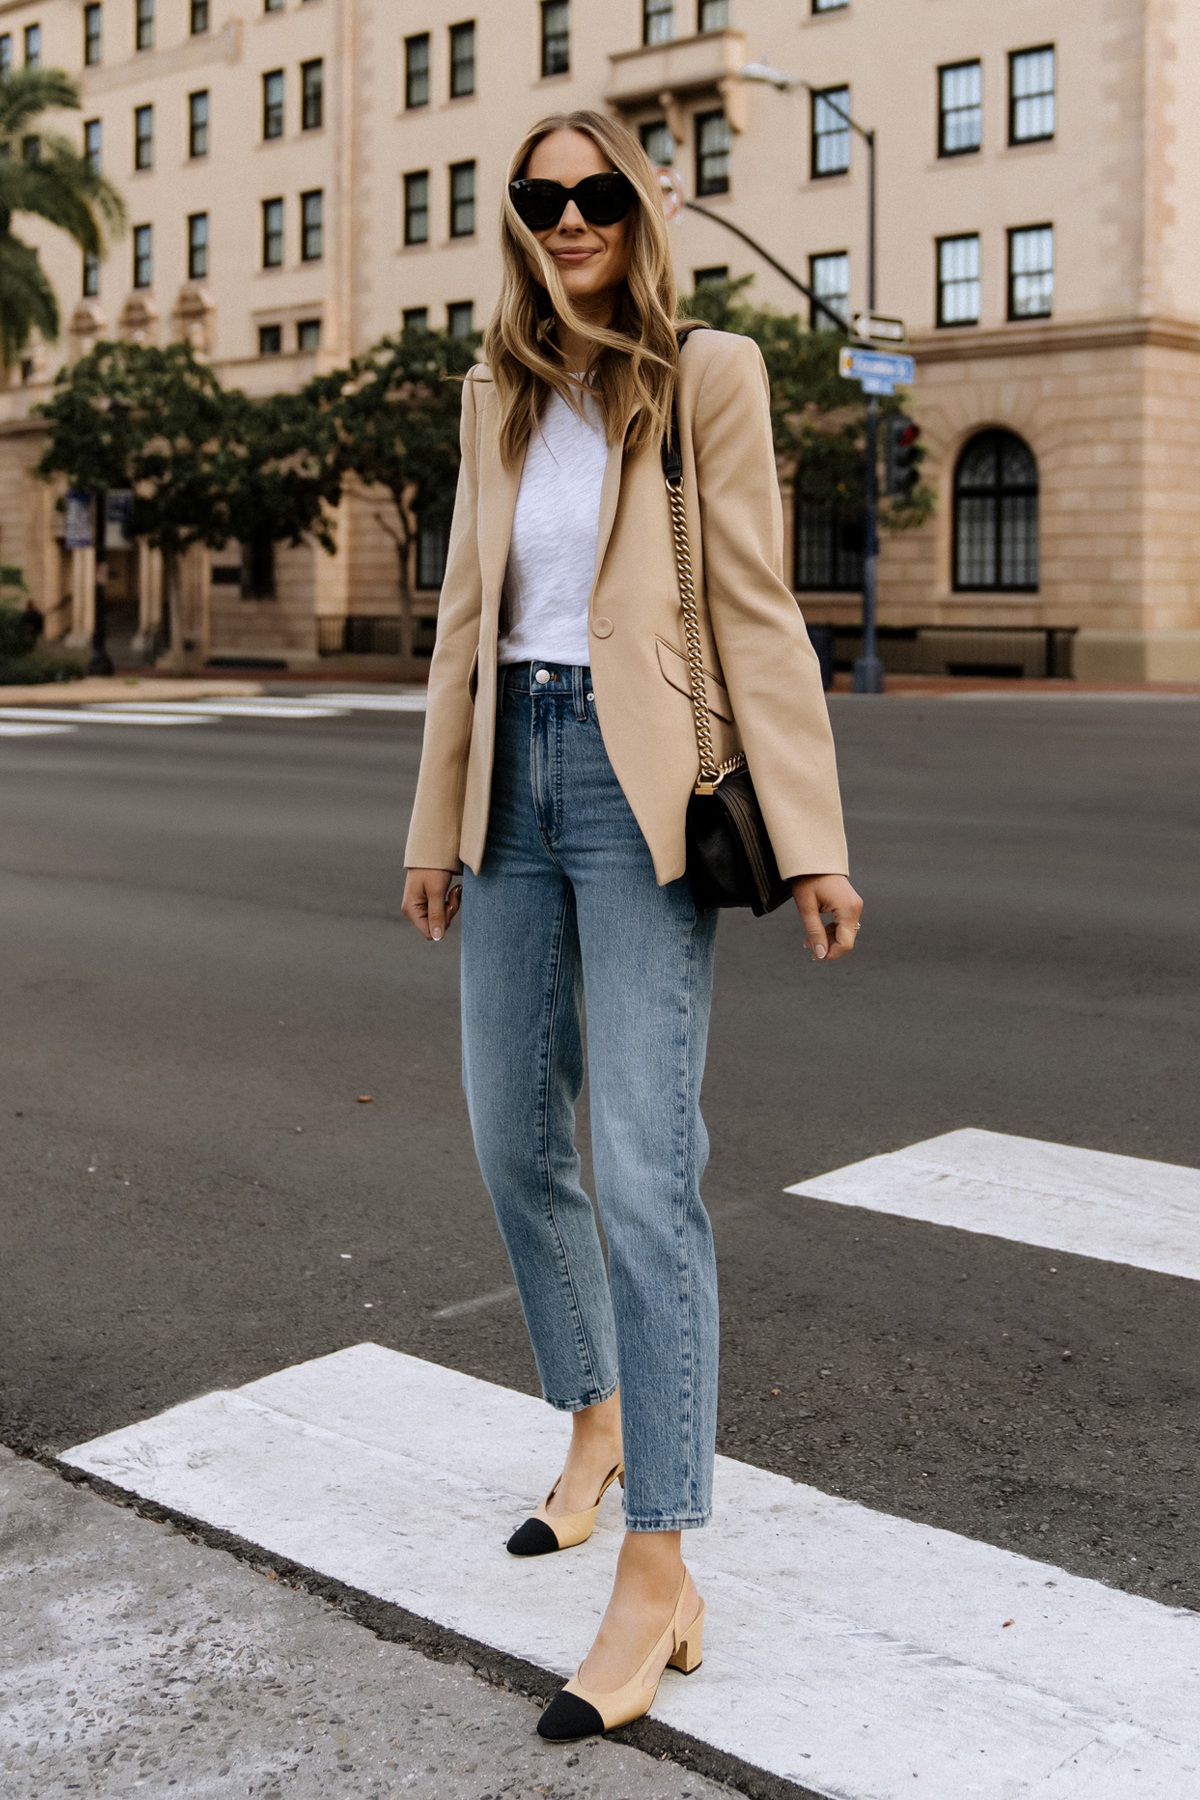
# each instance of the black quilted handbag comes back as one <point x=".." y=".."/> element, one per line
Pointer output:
<point x="730" y="861"/>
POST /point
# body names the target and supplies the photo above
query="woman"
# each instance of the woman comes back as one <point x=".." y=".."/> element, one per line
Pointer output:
<point x="560" y="753"/>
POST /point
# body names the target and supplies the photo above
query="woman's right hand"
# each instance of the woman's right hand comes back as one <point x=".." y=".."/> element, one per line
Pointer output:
<point x="431" y="899"/>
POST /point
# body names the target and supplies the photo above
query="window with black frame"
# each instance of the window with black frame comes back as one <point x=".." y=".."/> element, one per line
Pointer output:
<point x="198" y="123"/>
<point x="143" y="137"/>
<point x="272" y="233"/>
<point x="143" y="256"/>
<point x="197" y="246"/>
<point x="830" y="151"/>
<point x="312" y="95"/>
<point x="92" y="35"/>
<point x="272" y="83"/>
<point x="556" y="37"/>
<point x="960" y="108"/>
<point x="827" y="548"/>
<point x="462" y="60"/>
<point x="959" y="287"/>
<point x="712" y="15"/>
<point x="658" y="21"/>
<point x="462" y="199"/>
<point x="996" y="516"/>
<point x="416" y="207"/>
<point x="416" y="70"/>
<point x="658" y="143"/>
<point x="829" y="279"/>
<point x="312" y="225"/>
<point x="1031" y="96"/>
<point x="714" y="141"/>
<point x="1031" y="272"/>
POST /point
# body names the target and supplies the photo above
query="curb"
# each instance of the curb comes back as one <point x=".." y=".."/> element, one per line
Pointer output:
<point x="395" y="1624"/>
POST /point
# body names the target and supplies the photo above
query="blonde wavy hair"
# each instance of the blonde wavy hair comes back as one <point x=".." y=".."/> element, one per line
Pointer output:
<point x="634" y="358"/>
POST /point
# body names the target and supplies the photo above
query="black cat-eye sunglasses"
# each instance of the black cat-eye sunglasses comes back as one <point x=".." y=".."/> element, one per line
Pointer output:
<point x="602" y="199"/>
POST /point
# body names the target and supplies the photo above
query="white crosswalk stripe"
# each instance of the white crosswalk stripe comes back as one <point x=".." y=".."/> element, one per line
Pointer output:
<point x="217" y="709"/>
<point x="34" y="720"/>
<point x="64" y="715"/>
<point x="1083" y="1202"/>
<point x="862" y="1656"/>
<point x="9" y="728"/>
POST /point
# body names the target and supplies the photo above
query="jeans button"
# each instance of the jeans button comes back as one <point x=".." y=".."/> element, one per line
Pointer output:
<point x="541" y="675"/>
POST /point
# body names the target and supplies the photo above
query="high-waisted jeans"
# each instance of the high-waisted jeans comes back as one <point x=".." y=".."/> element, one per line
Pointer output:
<point x="565" y="912"/>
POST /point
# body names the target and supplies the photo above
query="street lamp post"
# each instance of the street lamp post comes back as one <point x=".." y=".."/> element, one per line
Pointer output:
<point x="868" y="669"/>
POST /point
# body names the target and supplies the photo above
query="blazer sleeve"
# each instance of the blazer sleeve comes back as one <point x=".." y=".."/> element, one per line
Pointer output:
<point x="436" y="827"/>
<point x="770" y="668"/>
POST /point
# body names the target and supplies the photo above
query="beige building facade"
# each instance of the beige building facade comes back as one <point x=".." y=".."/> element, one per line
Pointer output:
<point x="303" y="176"/>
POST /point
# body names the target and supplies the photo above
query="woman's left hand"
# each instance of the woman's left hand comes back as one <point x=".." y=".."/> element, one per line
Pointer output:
<point x="817" y="894"/>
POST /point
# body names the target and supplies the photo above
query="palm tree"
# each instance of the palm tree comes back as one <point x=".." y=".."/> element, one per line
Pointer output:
<point x="45" y="175"/>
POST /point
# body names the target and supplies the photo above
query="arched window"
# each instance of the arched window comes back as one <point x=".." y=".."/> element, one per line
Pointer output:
<point x="996" y="515"/>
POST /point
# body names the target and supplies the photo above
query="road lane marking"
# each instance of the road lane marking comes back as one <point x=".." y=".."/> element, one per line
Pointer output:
<point x="10" y="728"/>
<point x="847" y="1649"/>
<point x="78" y="716"/>
<point x="1082" y="1202"/>
<point x="476" y="1305"/>
<point x="225" y="709"/>
<point x="381" y="702"/>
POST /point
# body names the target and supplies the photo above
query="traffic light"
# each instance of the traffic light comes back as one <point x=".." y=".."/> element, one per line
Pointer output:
<point x="904" y="455"/>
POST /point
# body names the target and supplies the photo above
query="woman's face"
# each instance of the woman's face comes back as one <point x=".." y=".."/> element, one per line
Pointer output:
<point x="592" y="260"/>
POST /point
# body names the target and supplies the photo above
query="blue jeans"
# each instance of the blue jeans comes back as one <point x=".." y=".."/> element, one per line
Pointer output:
<point x="565" y="911"/>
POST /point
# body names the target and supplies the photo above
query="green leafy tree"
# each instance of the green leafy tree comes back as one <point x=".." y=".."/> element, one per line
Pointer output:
<point x="44" y="175"/>
<point x="204" y="465"/>
<point x="394" y="416"/>
<point x="817" y="417"/>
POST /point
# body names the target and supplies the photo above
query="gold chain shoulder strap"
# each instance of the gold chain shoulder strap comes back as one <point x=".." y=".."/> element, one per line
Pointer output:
<point x="711" y="773"/>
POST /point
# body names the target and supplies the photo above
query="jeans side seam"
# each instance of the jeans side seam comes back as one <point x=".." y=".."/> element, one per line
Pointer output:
<point x="547" y="1063"/>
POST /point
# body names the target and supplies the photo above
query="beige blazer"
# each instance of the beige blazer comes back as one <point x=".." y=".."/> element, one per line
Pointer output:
<point x="764" y="684"/>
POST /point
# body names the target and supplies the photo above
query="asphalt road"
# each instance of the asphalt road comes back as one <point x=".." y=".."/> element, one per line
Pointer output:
<point x="204" y="964"/>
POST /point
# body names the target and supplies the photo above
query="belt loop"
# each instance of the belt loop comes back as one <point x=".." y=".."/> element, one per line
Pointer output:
<point x="501" y="689"/>
<point x="579" y="692"/>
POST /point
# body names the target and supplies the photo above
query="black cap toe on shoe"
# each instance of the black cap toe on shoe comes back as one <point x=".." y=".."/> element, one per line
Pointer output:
<point x="533" y="1538"/>
<point x="567" y="1716"/>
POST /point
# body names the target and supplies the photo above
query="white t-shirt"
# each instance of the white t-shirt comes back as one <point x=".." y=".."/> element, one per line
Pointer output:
<point x="552" y="553"/>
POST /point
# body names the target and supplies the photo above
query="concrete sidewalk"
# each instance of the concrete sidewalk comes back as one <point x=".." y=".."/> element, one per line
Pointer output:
<point x="134" y="1661"/>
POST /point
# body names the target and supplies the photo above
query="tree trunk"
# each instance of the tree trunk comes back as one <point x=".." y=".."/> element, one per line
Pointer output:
<point x="407" y="650"/>
<point x="171" y="622"/>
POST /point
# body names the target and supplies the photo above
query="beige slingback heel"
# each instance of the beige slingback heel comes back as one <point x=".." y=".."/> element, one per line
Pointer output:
<point x="540" y="1535"/>
<point x="576" y="1712"/>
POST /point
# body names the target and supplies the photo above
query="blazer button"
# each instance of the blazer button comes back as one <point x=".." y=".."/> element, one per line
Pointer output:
<point x="602" y="628"/>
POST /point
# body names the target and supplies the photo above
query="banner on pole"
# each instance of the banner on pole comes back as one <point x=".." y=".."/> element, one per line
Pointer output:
<point x="77" y="521"/>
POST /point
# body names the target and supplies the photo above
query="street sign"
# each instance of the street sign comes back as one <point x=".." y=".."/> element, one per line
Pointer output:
<point x="77" y="521"/>
<point x="877" y="370"/>
<point x="879" y="329"/>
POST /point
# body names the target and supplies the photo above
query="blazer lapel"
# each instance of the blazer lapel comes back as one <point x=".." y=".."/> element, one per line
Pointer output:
<point x="610" y="493"/>
<point x="498" y="488"/>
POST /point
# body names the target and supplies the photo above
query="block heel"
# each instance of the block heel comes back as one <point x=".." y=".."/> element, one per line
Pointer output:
<point x="689" y="1652"/>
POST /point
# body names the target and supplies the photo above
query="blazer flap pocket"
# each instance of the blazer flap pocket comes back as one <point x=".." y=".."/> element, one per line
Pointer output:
<point x="675" y="668"/>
